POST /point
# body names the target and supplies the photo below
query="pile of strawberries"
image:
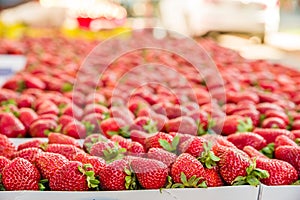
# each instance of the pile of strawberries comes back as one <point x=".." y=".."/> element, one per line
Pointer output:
<point x="150" y="121"/>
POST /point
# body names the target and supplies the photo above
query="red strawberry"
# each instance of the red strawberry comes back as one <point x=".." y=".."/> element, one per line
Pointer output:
<point x="73" y="176"/>
<point x="296" y="133"/>
<point x="72" y="110"/>
<point x="3" y="163"/>
<point x="48" y="163"/>
<point x="282" y="140"/>
<point x="27" y="116"/>
<point x="274" y="122"/>
<point x="296" y="124"/>
<point x="95" y="108"/>
<point x="200" y="116"/>
<point x="93" y="119"/>
<point x="240" y="140"/>
<point x="234" y="123"/>
<point x="114" y="174"/>
<point x="123" y="142"/>
<point x="135" y="148"/>
<point x="253" y="114"/>
<point x="280" y="172"/>
<point x="252" y="152"/>
<point x="58" y="138"/>
<point x="75" y="129"/>
<point x="11" y="126"/>
<point x="41" y="127"/>
<point x="151" y="174"/>
<point x="139" y="136"/>
<point x="289" y="154"/>
<point x="90" y="140"/>
<point x="7" y="147"/>
<point x="97" y="162"/>
<point x="270" y="134"/>
<point x="107" y="150"/>
<point x="29" y="154"/>
<point x="264" y="107"/>
<point x="31" y="81"/>
<point x="279" y="114"/>
<point x="20" y="174"/>
<point x="47" y="107"/>
<point x="193" y="146"/>
<point x="235" y="166"/>
<point x="49" y="116"/>
<point x="113" y="126"/>
<point x="184" y="124"/>
<point x="64" y="120"/>
<point x="67" y="150"/>
<point x="162" y="155"/>
<point x="187" y="168"/>
<point x="37" y="143"/>
<point x="212" y="177"/>
<point x="25" y="101"/>
<point x="153" y="141"/>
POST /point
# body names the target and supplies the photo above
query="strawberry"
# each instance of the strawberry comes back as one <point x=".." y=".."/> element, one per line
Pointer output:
<point x="139" y="136"/>
<point x="264" y="107"/>
<point x="97" y="162"/>
<point x="247" y="138"/>
<point x="212" y="177"/>
<point x="252" y="152"/>
<point x="123" y="142"/>
<point x="279" y="114"/>
<point x="41" y="127"/>
<point x="37" y="143"/>
<point x="95" y="108"/>
<point x="58" y="138"/>
<point x="234" y="123"/>
<point x="64" y="120"/>
<point x="11" y="126"/>
<point x="107" y="150"/>
<point x="25" y="101"/>
<point x="187" y="170"/>
<point x="48" y="116"/>
<point x="184" y="124"/>
<point x="20" y="174"/>
<point x="91" y="122"/>
<point x="7" y="147"/>
<point x="162" y="155"/>
<point x="72" y="110"/>
<point x="29" y="154"/>
<point x="274" y="122"/>
<point x="47" y="107"/>
<point x="270" y="134"/>
<point x="289" y="154"/>
<point x="153" y="141"/>
<point x="75" y="129"/>
<point x="151" y="174"/>
<point x="114" y="176"/>
<point x="296" y="124"/>
<point x="280" y="172"/>
<point x="27" y="116"/>
<point x="48" y="163"/>
<point x="144" y="124"/>
<point x="73" y="176"/>
<point x="253" y="114"/>
<point x="3" y="163"/>
<point x="136" y="148"/>
<point x="282" y="140"/>
<point x="113" y="126"/>
<point x="90" y="140"/>
<point x="236" y="166"/>
<point x="31" y="81"/>
<point x="67" y="150"/>
<point x="193" y="146"/>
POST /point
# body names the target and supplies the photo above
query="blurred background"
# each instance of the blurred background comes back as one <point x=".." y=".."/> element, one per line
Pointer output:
<point x="266" y="29"/>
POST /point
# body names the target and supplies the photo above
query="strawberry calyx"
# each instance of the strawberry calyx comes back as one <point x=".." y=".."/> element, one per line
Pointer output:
<point x="192" y="182"/>
<point x="296" y="182"/>
<point x="90" y="175"/>
<point x="171" y="147"/>
<point x="253" y="176"/>
<point x="57" y="129"/>
<point x="1" y="185"/>
<point x="268" y="150"/>
<point x="106" y="115"/>
<point x="8" y="102"/>
<point x="21" y="86"/>
<point x="150" y="127"/>
<point x="89" y="127"/>
<point x="67" y="87"/>
<point x="208" y="158"/>
<point x="130" y="180"/>
<point x="42" y="184"/>
<point x="114" y="153"/>
<point x="124" y="131"/>
<point x="245" y="125"/>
